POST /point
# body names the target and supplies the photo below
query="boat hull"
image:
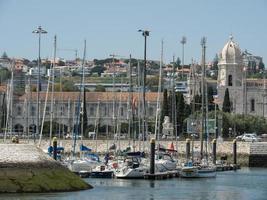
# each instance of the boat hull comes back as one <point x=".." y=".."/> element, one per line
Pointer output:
<point x="194" y="172"/>
<point x="136" y="173"/>
<point x="102" y="174"/>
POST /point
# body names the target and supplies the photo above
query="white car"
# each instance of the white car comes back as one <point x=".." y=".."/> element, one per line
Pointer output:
<point x="250" y="138"/>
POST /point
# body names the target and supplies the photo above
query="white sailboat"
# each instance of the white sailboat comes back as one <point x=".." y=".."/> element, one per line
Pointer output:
<point x="203" y="169"/>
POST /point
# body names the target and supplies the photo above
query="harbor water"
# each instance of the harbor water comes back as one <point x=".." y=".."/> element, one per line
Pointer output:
<point x="244" y="184"/>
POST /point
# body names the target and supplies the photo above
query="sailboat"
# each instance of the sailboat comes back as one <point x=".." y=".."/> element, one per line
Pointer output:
<point x="87" y="160"/>
<point x="203" y="169"/>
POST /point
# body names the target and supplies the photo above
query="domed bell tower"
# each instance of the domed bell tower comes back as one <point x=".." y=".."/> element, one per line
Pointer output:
<point x="230" y="75"/>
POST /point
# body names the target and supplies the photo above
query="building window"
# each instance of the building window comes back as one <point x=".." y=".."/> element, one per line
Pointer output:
<point x="62" y="110"/>
<point x="33" y="111"/>
<point x="150" y="111"/>
<point x="252" y="105"/>
<point x="105" y="111"/>
<point x="47" y="110"/>
<point x="19" y="111"/>
<point x="230" y="80"/>
<point x="92" y="111"/>
<point x="121" y="111"/>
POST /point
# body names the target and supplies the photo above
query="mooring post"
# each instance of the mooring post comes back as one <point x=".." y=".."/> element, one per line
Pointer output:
<point x="152" y="156"/>
<point x="234" y="151"/>
<point x="55" y="148"/>
<point x="214" y="145"/>
<point x="187" y="149"/>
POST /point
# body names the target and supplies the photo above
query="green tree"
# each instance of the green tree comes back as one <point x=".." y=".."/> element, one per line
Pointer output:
<point x="215" y="62"/>
<point x="153" y="83"/>
<point x="100" y="88"/>
<point x="177" y="64"/>
<point x="211" y="105"/>
<point x="98" y="69"/>
<point x="180" y="111"/>
<point x="226" y="102"/>
<point x="261" y="66"/>
<point x="4" y="55"/>
<point x="4" y="75"/>
<point x="165" y="107"/>
<point x="225" y="125"/>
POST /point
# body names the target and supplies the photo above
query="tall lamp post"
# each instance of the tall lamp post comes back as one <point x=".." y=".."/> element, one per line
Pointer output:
<point x="183" y="42"/>
<point x="38" y="31"/>
<point x="145" y="33"/>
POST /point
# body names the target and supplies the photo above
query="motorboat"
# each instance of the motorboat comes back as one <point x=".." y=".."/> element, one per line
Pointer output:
<point x="198" y="171"/>
<point x="164" y="162"/>
<point x="132" y="168"/>
<point x="102" y="171"/>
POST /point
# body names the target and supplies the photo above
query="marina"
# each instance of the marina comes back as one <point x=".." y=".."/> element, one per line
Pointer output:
<point x="122" y="100"/>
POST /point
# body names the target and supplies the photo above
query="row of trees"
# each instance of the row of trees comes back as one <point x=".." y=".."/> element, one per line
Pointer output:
<point x="182" y="109"/>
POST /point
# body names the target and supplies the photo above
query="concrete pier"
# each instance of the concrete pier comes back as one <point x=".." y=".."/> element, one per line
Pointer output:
<point x="26" y="168"/>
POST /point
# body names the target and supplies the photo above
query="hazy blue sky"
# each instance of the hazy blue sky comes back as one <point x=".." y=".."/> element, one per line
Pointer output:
<point x="111" y="26"/>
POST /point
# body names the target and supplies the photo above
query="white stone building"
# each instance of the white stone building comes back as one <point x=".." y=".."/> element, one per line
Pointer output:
<point x="247" y="96"/>
<point x="99" y="106"/>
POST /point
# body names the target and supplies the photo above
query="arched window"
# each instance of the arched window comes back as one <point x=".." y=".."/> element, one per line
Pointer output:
<point x="230" y="80"/>
<point x="18" y="128"/>
<point x="252" y="105"/>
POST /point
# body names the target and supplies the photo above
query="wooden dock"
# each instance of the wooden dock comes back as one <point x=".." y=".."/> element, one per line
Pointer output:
<point x="162" y="175"/>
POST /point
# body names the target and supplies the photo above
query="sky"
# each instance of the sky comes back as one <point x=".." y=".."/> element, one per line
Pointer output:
<point x="110" y="27"/>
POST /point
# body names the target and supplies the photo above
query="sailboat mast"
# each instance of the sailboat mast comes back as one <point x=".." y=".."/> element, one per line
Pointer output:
<point x="52" y="92"/>
<point x="157" y="122"/>
<point x="193" y="107"/>
<point x="139" y="103"/>
<point x="113" y="92"/>
<point x="130" y="108"/>
<point x="203" y="110"/>
<point x="78" y="113"/>
<point x="174" y="121"/>
<point x="83" y="93"/>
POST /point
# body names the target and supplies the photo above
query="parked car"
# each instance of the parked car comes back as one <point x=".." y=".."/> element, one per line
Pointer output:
<point x="250" y="137"/>
<point x="121" y="136"/>
<point x="239" y="137"/>
<point x="91" y="134"/>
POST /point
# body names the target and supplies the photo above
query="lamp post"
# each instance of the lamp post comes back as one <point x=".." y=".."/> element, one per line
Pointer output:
<point x="38" y="31"/>
<point x="183" y="42"/>
<point x="145" y="33"/>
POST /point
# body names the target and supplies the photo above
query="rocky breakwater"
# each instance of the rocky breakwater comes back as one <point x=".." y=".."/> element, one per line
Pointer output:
<point x="26" y="168"/>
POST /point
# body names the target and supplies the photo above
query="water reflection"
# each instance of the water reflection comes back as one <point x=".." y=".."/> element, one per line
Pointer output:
<point x="245" y="184"/>
<point x="152" y="184"/>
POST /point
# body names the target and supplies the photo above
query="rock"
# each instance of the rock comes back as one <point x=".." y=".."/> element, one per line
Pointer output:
<point x="26" y="168"/>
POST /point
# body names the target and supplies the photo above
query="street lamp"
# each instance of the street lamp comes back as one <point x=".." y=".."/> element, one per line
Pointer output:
<point x="183" y="42"/>
<point x="145" y="33"/>
<point x="38" y="31"/>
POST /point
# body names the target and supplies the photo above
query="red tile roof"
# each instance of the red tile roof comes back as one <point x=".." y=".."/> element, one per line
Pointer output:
<point x="93" y="96"/>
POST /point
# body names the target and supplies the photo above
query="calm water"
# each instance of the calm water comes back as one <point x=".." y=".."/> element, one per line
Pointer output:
<point x="245" y="184"/>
